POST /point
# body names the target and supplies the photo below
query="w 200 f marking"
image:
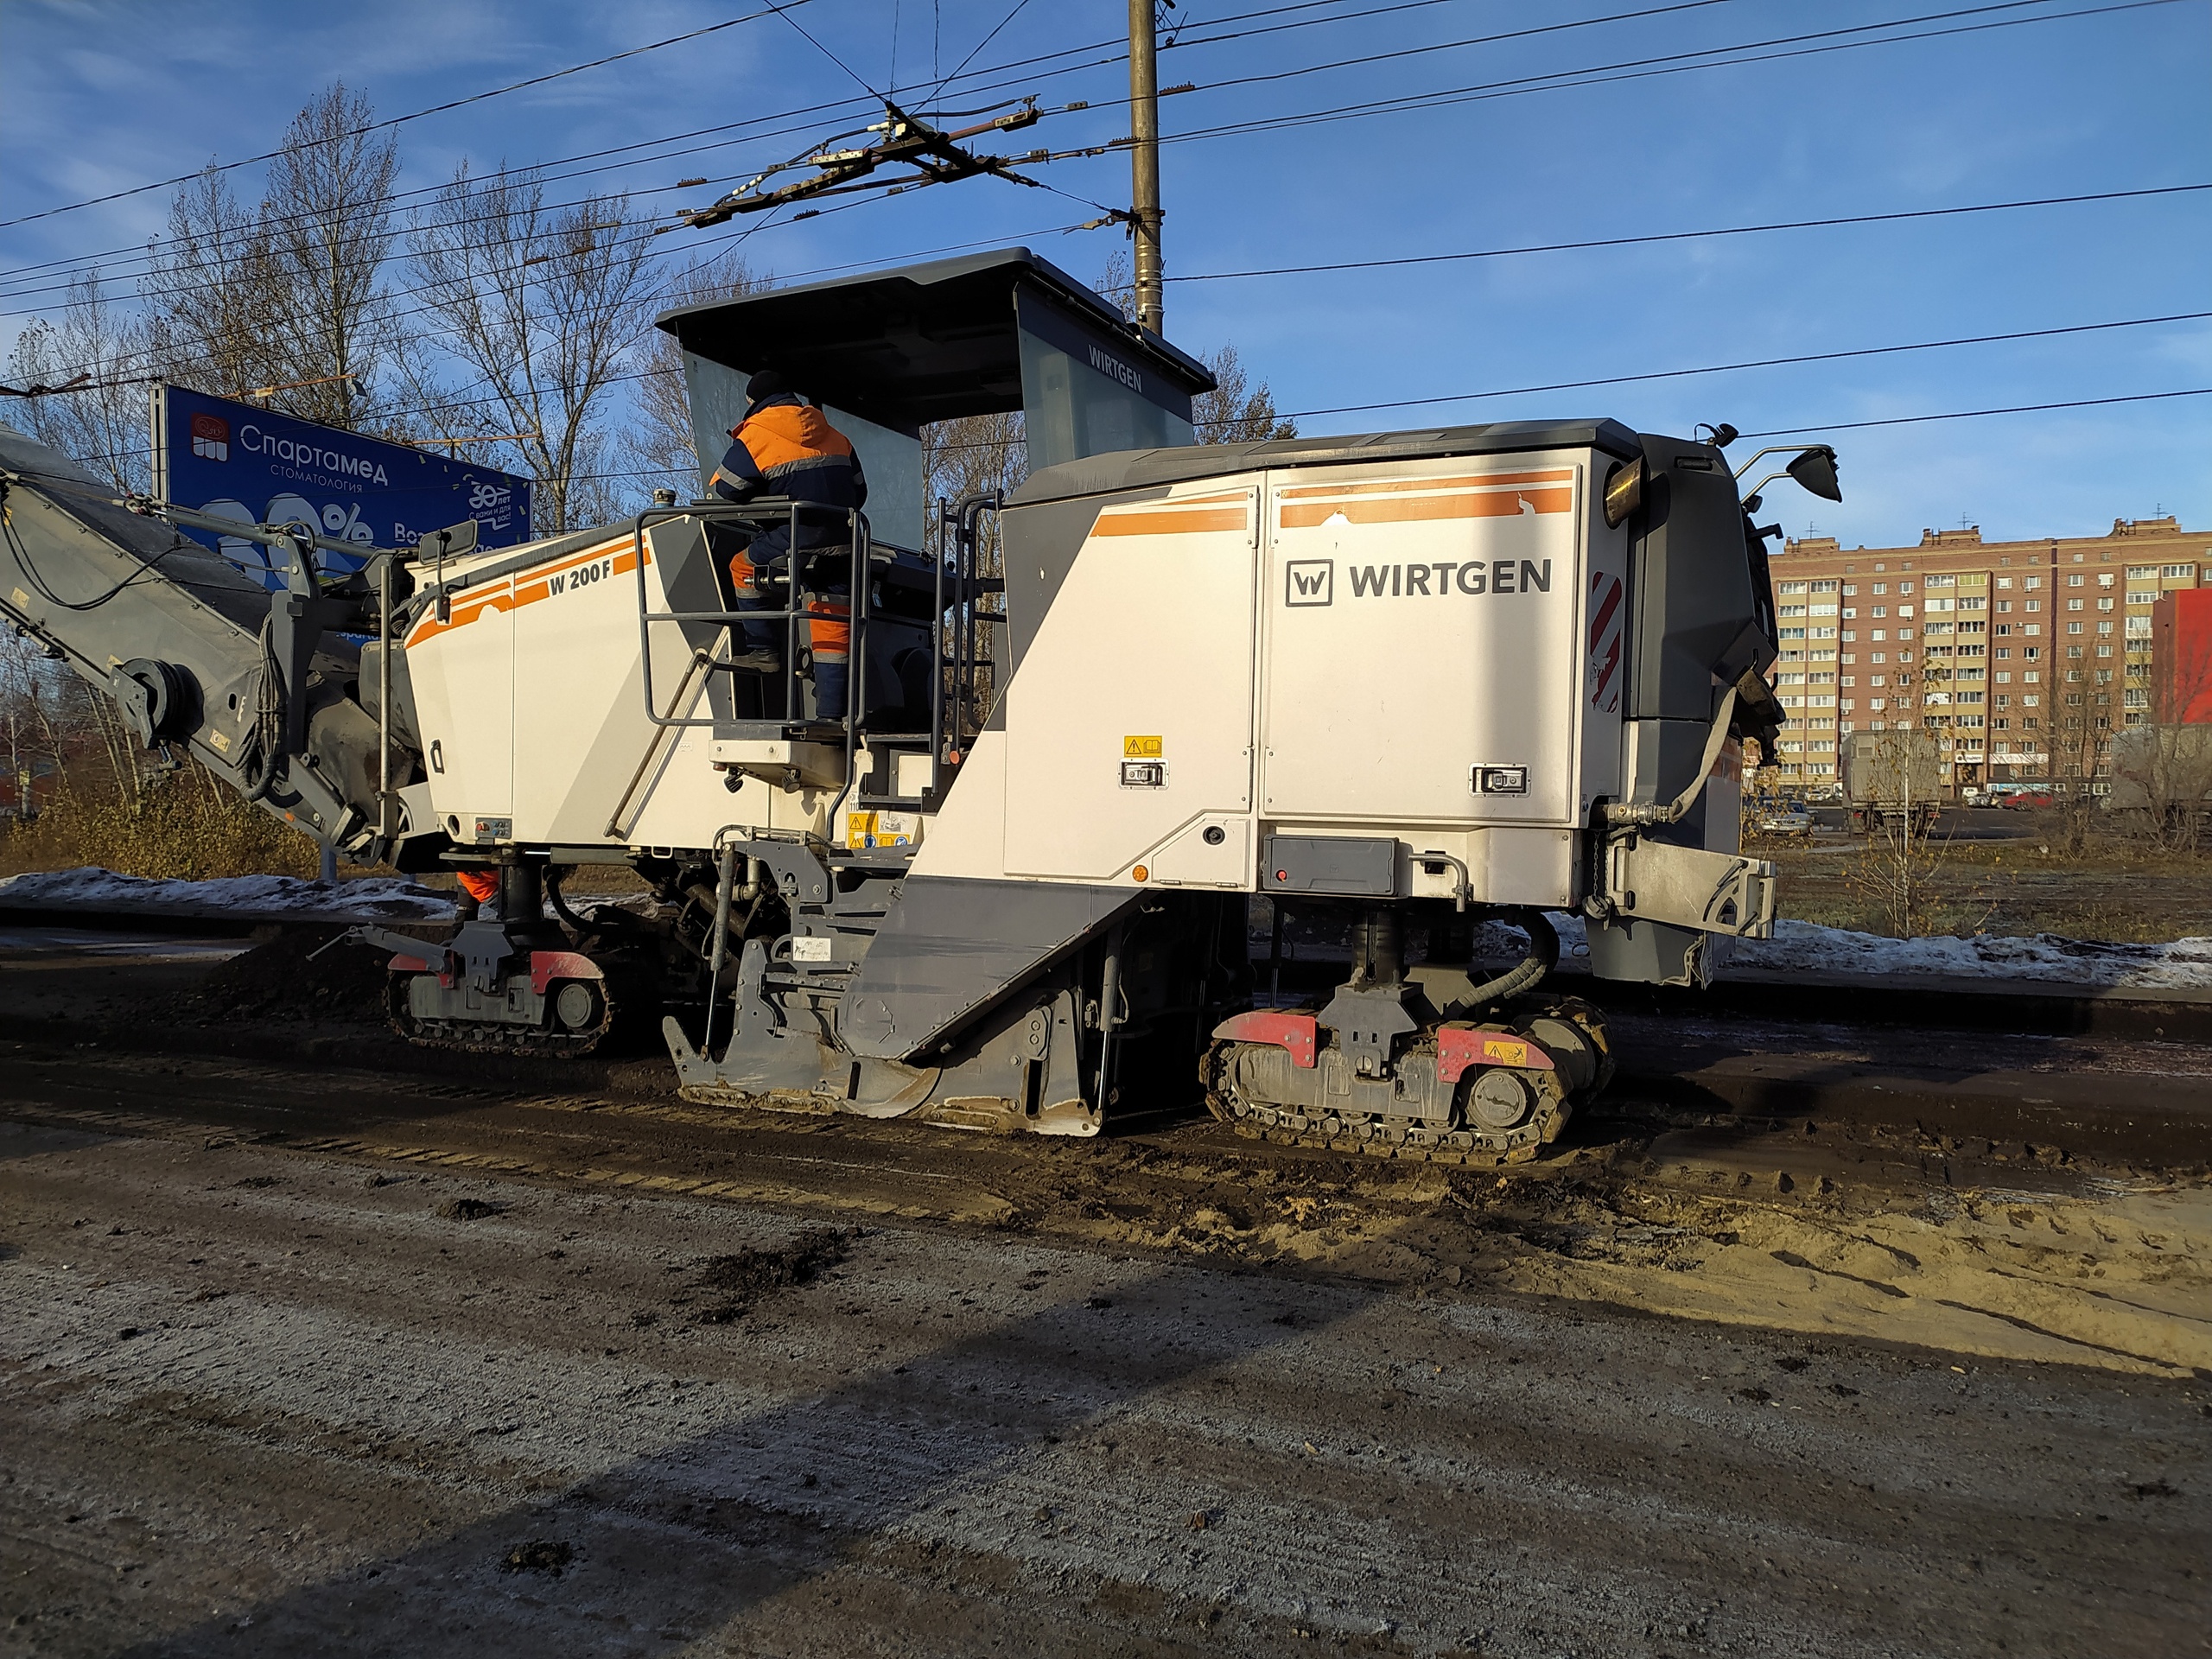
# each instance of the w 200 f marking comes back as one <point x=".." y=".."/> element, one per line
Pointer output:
<point x="584" y="575"/>
<point x="1477" y="576"/>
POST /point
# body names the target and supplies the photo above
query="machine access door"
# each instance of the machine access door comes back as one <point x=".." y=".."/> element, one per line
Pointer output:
<point x="1130" y="722"/>
<point x="1421" y="657"/>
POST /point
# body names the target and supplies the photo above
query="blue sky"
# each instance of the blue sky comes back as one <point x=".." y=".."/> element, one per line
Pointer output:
<point x="97" y="98"/>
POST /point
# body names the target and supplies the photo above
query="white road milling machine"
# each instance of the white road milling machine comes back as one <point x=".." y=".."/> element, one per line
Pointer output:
<point x="1397" y="685"/>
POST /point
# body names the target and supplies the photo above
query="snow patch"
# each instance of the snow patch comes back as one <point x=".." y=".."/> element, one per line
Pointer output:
<point x="1808" y="948"/>
<point x="94" y="888"/>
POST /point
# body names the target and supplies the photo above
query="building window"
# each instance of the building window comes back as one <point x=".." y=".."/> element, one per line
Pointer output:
<point x="2077" y="581"/>
<point x="2178" y="570"/>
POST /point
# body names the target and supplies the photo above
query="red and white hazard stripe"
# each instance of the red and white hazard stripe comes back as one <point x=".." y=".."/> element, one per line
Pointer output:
<point x="1605" y="608"/>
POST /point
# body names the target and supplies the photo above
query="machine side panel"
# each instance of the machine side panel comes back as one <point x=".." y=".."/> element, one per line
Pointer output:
<point x="1696" y="611"/>
<point x="1042" y="544"/>
<point x="463" y="672"/>
<point x="1131" y="714"/>
<point x="1424" y="660"/>
<point x="950" y="947"/>
<point x="579" y="722"/>
<point x="1607" y="639"/>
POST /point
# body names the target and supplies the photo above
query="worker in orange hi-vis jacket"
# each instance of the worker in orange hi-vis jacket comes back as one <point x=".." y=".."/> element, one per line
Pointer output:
<point x="785" y="446"/>
<point x="478" y="888"/>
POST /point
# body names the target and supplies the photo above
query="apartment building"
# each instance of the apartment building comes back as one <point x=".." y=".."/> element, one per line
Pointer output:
<point x="2022" y="656"/>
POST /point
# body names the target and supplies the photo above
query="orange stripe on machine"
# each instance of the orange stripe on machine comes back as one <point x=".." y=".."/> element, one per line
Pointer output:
<point x="1401" y="485"/>
<point x="1486" y="504"/>
<point x="571" y="575"/>
<point x="1176" y="521"/>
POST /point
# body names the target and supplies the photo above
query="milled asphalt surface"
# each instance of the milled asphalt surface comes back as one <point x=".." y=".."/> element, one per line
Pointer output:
<point x="327" y="1362"/>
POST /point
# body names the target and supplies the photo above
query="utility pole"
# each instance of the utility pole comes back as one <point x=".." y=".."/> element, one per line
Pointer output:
<point x="1144" y="162"/>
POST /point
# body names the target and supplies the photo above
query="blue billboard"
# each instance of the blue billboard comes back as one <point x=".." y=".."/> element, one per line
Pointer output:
<point x="237" y="461"/>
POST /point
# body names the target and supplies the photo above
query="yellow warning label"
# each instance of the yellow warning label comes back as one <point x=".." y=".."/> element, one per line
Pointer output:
<point x="1143" y="748"/>
<point x="23" y="599"/>
<point x="221" y="741"/>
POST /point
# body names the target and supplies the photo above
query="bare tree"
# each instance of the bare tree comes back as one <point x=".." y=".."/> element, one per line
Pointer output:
<point x="2162" y="769"/>
<point x="973" y="454"/>
<point x="289" y="294"/>
<point x="103" y="426"/>
<point x="1238" y="410"/>
<point x="542" y="304"/>
<point x="659" y="442"/>
<point x="327" y="224"/>
<point x="212" y="291"/>
<point x="2081" y="739"/>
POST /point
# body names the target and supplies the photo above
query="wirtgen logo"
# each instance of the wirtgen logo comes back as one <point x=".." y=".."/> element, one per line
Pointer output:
<point x="1309" y="582"/>
<point x="1313" y="582"/>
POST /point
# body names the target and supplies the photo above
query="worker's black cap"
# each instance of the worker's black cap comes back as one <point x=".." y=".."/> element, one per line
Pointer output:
<point x="767" y="383"/>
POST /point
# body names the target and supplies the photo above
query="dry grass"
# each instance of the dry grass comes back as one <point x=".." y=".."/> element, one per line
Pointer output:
<point x="2115" y="889"/>
<point x="183" y="827"/>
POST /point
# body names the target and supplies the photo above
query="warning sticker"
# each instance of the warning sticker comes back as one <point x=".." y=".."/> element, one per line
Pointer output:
<point x="1143" y="748"/>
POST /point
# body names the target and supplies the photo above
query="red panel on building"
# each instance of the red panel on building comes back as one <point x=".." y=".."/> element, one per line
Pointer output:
<point x="2181" y="654"/>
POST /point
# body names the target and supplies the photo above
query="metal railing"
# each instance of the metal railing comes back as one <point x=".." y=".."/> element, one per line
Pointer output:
<point x="951" y="633"/>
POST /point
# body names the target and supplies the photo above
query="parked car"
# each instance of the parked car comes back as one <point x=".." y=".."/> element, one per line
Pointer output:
<point x="2032" y="797"/>
<point x="1786" y="821"/>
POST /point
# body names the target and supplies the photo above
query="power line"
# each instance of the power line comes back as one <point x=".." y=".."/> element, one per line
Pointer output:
<point x="139" y="250"/>
<point x="1757" y="363"/>
<point x="1638" y="69"/>
<point x="832" y="56"/>
<point x="1976" y="414"/>
<point x="777" y="8"/>
<point x="1686" y="236"/>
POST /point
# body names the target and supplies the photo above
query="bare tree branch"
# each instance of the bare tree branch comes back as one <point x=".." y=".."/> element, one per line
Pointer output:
<point x="542" y="305"/>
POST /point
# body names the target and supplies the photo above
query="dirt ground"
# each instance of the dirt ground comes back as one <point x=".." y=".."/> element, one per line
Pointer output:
<point x="358" y="1361"/>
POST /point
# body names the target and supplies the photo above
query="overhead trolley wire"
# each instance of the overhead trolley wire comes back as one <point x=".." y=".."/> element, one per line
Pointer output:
<point x="144" y="250"/>
<point x="1975" y="414"/>
<point x="1759" y="363"/>
<point x="647" y="143"/>
<point x="1646" y="69"/>
<point x="1585" y="244"/>
<point x="777" y="8"/>
<point x="1686" y="236"/>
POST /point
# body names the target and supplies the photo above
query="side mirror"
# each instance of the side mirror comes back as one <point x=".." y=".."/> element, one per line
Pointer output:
<point x="1814" y="469"/>
<point x="462" y="537"/>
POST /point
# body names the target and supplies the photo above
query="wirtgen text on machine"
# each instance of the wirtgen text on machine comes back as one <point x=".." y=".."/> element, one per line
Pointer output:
<point x="1313" y="582"/>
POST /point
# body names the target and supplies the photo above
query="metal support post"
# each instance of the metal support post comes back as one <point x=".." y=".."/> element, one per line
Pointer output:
<point x="1144" y="163"/>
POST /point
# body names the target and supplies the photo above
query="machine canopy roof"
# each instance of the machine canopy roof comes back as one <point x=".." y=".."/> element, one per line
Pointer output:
<point x="921" y="343"/>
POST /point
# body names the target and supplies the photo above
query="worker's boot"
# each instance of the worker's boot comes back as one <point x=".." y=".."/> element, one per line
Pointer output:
<point x="759" y="662"/>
